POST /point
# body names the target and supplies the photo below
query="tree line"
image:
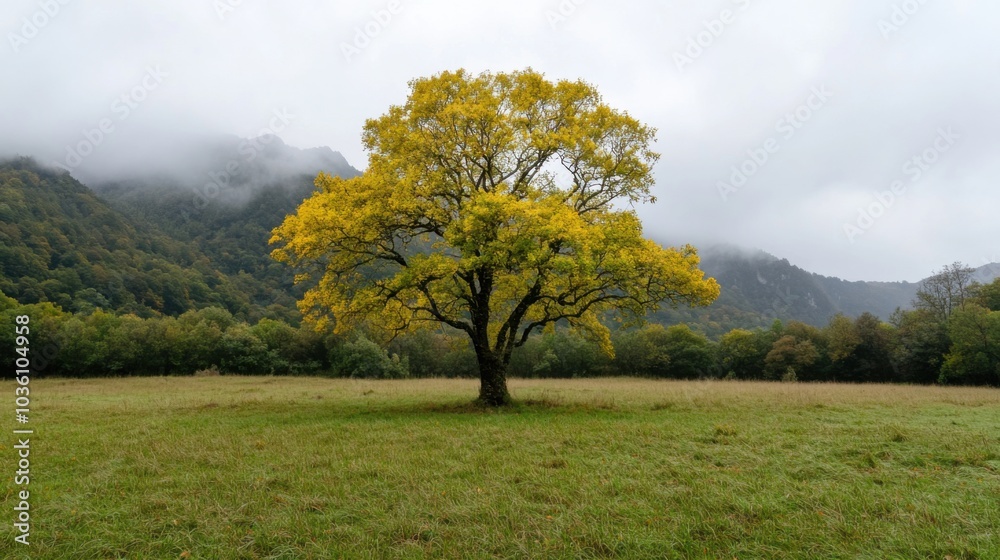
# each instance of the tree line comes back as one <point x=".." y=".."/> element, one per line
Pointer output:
<point x="952" y="336"/>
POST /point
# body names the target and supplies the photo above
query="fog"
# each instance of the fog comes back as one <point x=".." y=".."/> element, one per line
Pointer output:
<point x="856" y="139"/>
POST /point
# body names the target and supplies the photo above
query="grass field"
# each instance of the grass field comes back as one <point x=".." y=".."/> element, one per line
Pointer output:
<point x="268" y="467"/>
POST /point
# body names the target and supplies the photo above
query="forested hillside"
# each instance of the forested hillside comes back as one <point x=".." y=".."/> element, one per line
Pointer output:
<point x="60" y="243"/>
<point x="227" y="206"/>
<point x="758" y="288"/>
<point x="159" y="243"/>
<point x="170" y="243"/>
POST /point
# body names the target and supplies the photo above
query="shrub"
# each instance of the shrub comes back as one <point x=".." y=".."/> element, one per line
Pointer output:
<point x="364" y="359"/>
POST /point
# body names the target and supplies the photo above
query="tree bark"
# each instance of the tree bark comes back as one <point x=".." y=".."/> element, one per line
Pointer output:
<point x="492" y="380"/>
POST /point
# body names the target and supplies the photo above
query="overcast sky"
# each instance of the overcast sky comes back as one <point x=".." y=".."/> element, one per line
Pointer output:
<point x="855" y="138"/>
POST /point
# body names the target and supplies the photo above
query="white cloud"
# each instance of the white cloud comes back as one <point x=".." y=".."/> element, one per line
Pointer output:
<point x="229" y="74"/>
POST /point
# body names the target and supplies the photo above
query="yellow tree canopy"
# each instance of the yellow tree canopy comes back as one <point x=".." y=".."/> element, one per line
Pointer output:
<point x="497" y="204"/>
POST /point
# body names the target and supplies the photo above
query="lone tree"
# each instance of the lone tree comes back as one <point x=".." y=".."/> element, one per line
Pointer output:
<point x="492" y="204"/>
<point x="946" y="291"/>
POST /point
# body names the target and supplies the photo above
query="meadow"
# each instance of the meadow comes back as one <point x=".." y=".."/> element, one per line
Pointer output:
<point x="283" y="467"/>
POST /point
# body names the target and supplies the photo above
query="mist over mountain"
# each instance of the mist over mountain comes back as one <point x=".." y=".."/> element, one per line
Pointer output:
<point x="228" y="202"/>
<point x="230" y="182"/>
<point x="758" y="287"/>
<point x="205" y="206"/>
<point x="217" y="168"/>
<point x="779" y="288"/>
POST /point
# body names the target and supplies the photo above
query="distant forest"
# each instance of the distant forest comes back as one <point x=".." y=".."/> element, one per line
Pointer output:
<point x="136" y="278"/>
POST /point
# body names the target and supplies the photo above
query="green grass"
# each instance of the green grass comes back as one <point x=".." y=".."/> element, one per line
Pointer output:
<point x="231" y="467"/>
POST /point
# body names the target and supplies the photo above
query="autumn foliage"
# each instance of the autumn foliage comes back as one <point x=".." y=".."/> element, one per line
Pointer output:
<point x="495" y="204"/>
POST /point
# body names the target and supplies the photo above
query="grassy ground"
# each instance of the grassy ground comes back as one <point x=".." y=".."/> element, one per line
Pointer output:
<point x="230" y="467"/>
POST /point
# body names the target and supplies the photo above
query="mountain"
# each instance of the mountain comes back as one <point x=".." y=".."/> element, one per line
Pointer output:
<point x="227" y="203"/>
<point x="228" y="199"/>
<point x="59" y="242"/>
<point x="187" y="230"/>
<point x="771" y="285"/>
<point x="758" y="287"/>
<point x="193" y="231"/>
<point x="987" y="273"/>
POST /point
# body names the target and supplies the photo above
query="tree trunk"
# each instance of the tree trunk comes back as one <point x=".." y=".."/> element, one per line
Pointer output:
<point x="492" y="380"/>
